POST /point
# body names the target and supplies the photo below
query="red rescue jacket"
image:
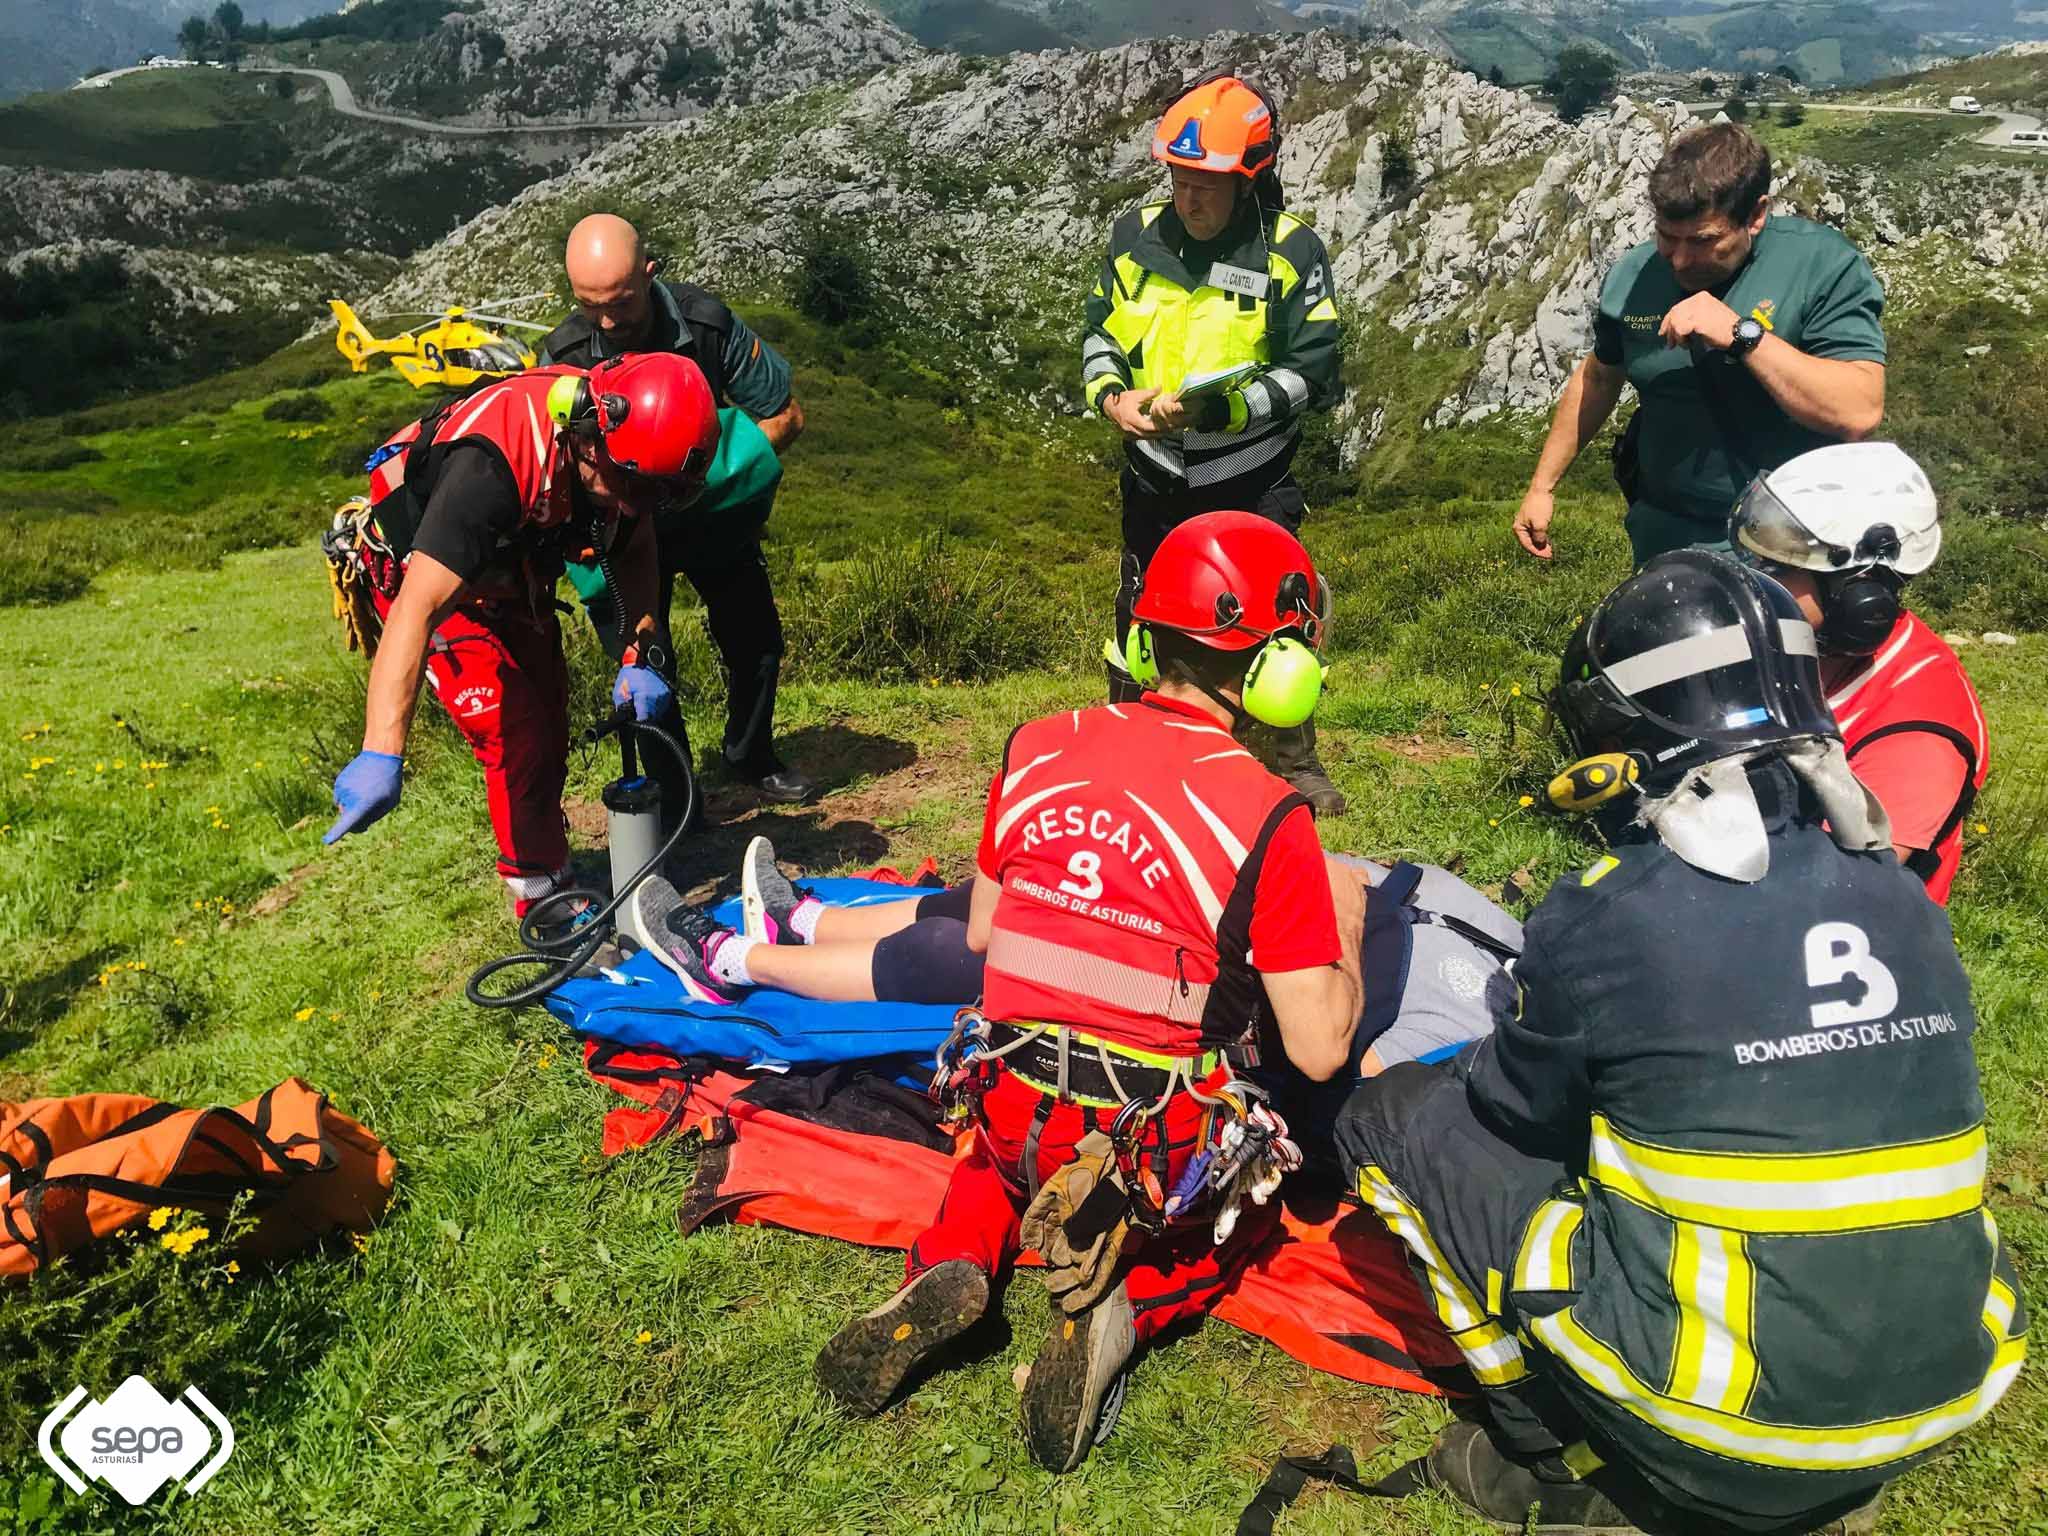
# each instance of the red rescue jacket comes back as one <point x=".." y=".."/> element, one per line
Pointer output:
<point x="1914" y="683"/>
<point x="1127" y="899"/>
<point x="510" y="419"/>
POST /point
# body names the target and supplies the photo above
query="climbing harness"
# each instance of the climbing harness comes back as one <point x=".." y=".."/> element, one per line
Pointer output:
<point x="360" y="564"/>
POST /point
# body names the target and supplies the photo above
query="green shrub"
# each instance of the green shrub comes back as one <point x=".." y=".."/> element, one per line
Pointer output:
<point x="933" y="610"/>
<point x="835" y="277"/>
<point x="39" y="564"/>
<point x="44" y="458"/>
<point x="304" y="406"/>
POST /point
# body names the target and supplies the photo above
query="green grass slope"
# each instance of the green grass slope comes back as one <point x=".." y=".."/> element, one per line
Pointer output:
<point x="526" y="1343"/>
<point x="196" y="122"/>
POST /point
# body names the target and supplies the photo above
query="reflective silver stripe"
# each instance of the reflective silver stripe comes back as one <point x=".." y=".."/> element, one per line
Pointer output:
<point x="1096" y="977"/>
<point x="1096" y="345"/>
<point x="1295" y="385"/>
<point x="1163" y="454"/>
<point x="1211" y="442"/>
<point x="1215" y="471"/>
<point x="1680" y="658"/>
<point x="1798" y="637"/>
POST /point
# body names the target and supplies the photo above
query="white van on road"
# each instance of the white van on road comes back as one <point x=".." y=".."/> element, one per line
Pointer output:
<point x="1964" y="104"/>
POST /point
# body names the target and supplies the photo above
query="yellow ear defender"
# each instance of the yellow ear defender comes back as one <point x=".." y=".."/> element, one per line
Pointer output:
<point x="569" y="401"/>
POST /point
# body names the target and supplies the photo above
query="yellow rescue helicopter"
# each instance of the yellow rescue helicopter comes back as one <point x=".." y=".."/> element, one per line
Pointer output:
<point x="452" y="348"/>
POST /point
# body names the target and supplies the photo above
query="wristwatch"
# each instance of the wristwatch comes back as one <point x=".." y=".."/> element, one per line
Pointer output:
<point x="1749" y="335"/>
<point x="650" y="653"/>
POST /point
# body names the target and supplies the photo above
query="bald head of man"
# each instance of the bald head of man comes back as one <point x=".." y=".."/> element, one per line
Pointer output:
<point x="611" y="276"/>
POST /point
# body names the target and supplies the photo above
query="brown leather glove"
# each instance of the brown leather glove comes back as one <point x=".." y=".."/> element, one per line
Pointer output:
<point x="1077" y="1223"/>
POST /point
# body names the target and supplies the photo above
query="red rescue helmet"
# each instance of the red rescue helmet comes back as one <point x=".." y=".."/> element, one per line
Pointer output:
<point x="1222" y="124"/>
<point x="655" y="414"/>
<point x="1233" y="580"/>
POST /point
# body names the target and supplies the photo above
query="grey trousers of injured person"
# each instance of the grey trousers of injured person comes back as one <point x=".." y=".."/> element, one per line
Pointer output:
<point x="1462" y="1201"/>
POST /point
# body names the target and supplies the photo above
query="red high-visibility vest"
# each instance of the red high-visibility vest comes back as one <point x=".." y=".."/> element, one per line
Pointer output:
<point x="510" y="419"/>
<point x="1128" y="841"/>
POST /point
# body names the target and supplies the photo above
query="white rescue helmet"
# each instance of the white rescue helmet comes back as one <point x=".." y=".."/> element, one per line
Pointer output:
<point x="1845" y="507"/>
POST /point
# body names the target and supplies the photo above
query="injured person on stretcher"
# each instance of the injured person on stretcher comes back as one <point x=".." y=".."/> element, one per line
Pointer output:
<point x="1437" y="955"/>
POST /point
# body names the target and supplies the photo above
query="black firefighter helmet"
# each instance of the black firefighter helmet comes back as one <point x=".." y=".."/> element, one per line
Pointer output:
<point x="1693" y="658"/>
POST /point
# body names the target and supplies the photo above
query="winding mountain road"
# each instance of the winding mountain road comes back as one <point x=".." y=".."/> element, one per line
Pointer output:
<point x="1997" y="136"/>
<point x="342" y="97"/>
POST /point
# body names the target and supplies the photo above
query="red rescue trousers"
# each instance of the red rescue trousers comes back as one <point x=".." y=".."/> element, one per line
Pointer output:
<point x="498" y="670"/>
<point x="1178" y="1274"/>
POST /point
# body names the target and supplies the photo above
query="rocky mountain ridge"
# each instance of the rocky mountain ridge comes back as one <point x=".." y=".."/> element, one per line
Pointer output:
<point x="1468" y="227"/>
<point x="508" y="61"/>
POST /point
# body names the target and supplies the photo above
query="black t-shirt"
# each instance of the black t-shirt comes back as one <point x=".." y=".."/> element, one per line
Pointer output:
<point x="471" y="511"/>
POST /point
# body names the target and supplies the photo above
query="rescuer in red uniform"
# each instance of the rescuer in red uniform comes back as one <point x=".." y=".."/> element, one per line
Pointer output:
<point x="1152" y="902"/>
<point x="476" y="506"/>
<point x="1843" y="529"/>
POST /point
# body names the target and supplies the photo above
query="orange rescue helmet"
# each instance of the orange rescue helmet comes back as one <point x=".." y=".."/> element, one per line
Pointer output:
<point x="1222" y="124"/>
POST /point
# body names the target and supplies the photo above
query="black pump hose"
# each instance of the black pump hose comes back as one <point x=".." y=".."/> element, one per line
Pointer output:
<point x="568" y="948"/>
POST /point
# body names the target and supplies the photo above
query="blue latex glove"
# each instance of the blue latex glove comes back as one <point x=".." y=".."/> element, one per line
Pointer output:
<point x="646" y="689"/>
<point x="365" y="790"/>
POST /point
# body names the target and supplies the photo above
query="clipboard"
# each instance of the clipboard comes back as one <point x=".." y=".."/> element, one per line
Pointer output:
<point x="1217" y="381"/>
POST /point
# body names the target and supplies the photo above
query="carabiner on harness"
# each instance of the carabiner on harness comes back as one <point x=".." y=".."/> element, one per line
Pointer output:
<point x="958" y="1079"/>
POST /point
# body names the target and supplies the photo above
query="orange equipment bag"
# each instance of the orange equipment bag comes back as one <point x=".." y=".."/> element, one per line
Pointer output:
<point x="78" y="1169"/>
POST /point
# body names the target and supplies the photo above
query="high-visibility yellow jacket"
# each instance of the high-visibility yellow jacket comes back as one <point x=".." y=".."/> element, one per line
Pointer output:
<point x="1153" y="321"/>
<point x="1776" y="1282"/>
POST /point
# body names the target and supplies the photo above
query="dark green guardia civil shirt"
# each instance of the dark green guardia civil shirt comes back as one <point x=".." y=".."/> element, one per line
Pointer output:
<point x="1804" y="281"/>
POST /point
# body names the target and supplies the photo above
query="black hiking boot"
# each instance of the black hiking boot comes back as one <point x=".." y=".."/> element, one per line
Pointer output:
<point x="1467" y="1465"/>
<point x="868" y="1360"/>
<point x="1076" y="1387"/>
<point x="1295" y="760"/>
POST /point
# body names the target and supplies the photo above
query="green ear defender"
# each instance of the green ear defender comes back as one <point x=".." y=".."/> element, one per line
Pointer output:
<point x="1138" y="658"/>
<point x="1284" y="683"/>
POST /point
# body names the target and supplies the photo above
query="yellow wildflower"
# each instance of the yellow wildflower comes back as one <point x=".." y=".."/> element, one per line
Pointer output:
<point x="178" y="941"/>
<point x="360" y="1241"/>
<point x="1516" y="691"/>
<point x="644" y="1336"/>
<point x="302" y="1015"/>
<point x="161" y="1216"/>
<point x="1982" y="829"/>
<point x="1486" y="687"/>
<point x="1493" y="821"/>
<point x="1527" y="800"/>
